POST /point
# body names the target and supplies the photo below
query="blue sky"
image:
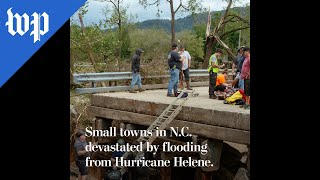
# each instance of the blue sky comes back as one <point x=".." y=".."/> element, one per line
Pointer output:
<point x="95" y="8"/>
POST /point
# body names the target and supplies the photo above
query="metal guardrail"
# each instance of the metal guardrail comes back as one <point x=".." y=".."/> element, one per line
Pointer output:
<point x="87" y="64"/>
<point x="118" y="76"/>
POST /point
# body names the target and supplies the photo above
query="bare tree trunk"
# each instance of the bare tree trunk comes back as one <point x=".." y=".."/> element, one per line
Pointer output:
<point x="229" y="51"/>
<point x="87" y="42"/>
<point x="88" y="47"/>
<point x="173" y="34"/>
<point x="211" y="41"/>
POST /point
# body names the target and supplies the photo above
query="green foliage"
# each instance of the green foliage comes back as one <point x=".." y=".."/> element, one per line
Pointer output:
<point x="194" y="45"/>
<point x="194" y="6"/>
<point x="200" y="31"/>
<point x="102" y="43"/>
<point x="190" y="21"/>
<point x="84" y="8"/>
<point x="125" y="42"/>
<point x="119" y="18"/>
<point x="116" y="15"/>
<point x="106" y="38"/>
<point x="233" y="40"/>
<point x="155" y="43"/>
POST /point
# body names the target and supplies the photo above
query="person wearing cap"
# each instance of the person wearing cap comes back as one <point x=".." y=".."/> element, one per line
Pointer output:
<point x="245" y="74"/>
<point x="185" y="67"/>
<point x="135" y="68"/>
<point x="213" y="70"/>
<point x="175" y="65"/>
<point x="81" y="154"/>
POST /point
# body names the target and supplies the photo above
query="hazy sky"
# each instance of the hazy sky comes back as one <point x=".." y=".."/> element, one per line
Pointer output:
<point x="94" y="13"/>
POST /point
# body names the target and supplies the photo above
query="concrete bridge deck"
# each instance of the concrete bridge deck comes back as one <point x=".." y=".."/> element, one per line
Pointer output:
<point x="205" y="117"/>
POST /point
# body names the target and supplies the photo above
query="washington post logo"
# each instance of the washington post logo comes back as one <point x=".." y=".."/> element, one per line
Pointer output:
<point x="38" y="21"/>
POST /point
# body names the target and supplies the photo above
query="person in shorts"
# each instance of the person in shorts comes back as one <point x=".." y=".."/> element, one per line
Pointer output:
<point x="185" y="67"/>
<point x="245" y="74"/>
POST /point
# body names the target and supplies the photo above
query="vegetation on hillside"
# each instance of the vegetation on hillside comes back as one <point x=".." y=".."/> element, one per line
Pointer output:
<point x="111" y="49"/>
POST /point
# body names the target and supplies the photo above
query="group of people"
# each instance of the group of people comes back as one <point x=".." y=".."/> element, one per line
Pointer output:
<point x="241" y="64"/>
<point x="179" y="61"/>
<point x="179" y="64"/>
<point x="242" y="75"/>
<point x="217" y="83"/>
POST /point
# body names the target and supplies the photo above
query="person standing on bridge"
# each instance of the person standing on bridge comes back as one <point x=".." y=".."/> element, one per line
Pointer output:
<point x="237" y="65"/>
<point x="175" y="65"/>
<point x="185" y="67"/>
<point x="135" y="67"/>
<point x="213" y="70"/>
<point x="245" y="74"/>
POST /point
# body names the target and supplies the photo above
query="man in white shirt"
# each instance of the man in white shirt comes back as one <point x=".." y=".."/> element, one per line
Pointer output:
<point x="185" y="67"/>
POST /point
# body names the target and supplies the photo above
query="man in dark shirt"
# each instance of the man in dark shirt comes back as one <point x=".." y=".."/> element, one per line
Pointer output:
<point x="237" y="59"/>
<point x="175" y="65"/>
<point x="81" y="155"/>
<point x="135" y="68"/>
<point x="237" y="64"/>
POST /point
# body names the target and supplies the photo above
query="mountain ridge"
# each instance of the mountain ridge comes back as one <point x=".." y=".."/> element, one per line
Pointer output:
<point x="185" y="23"/>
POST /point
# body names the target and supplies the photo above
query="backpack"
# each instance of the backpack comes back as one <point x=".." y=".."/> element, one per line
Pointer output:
<point x="233" y="98"/>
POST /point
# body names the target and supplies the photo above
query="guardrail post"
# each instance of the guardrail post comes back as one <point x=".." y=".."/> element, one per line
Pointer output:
<point x="93" y="84"/>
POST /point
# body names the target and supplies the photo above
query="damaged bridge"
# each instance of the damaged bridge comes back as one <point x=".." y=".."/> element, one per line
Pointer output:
<point x="209" y="120"/>
<point x="204" y="117"/>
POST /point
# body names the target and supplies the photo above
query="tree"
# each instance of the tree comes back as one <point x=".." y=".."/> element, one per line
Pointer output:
<point x="153" y="41"/>
<point x="71" y="64"/>
<point x="193" y="44"/>
<point x="82" y="11"/>
<point x="220" y="31"/>
<point x="191" y="6"/>
<point x="118" y="18"/>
